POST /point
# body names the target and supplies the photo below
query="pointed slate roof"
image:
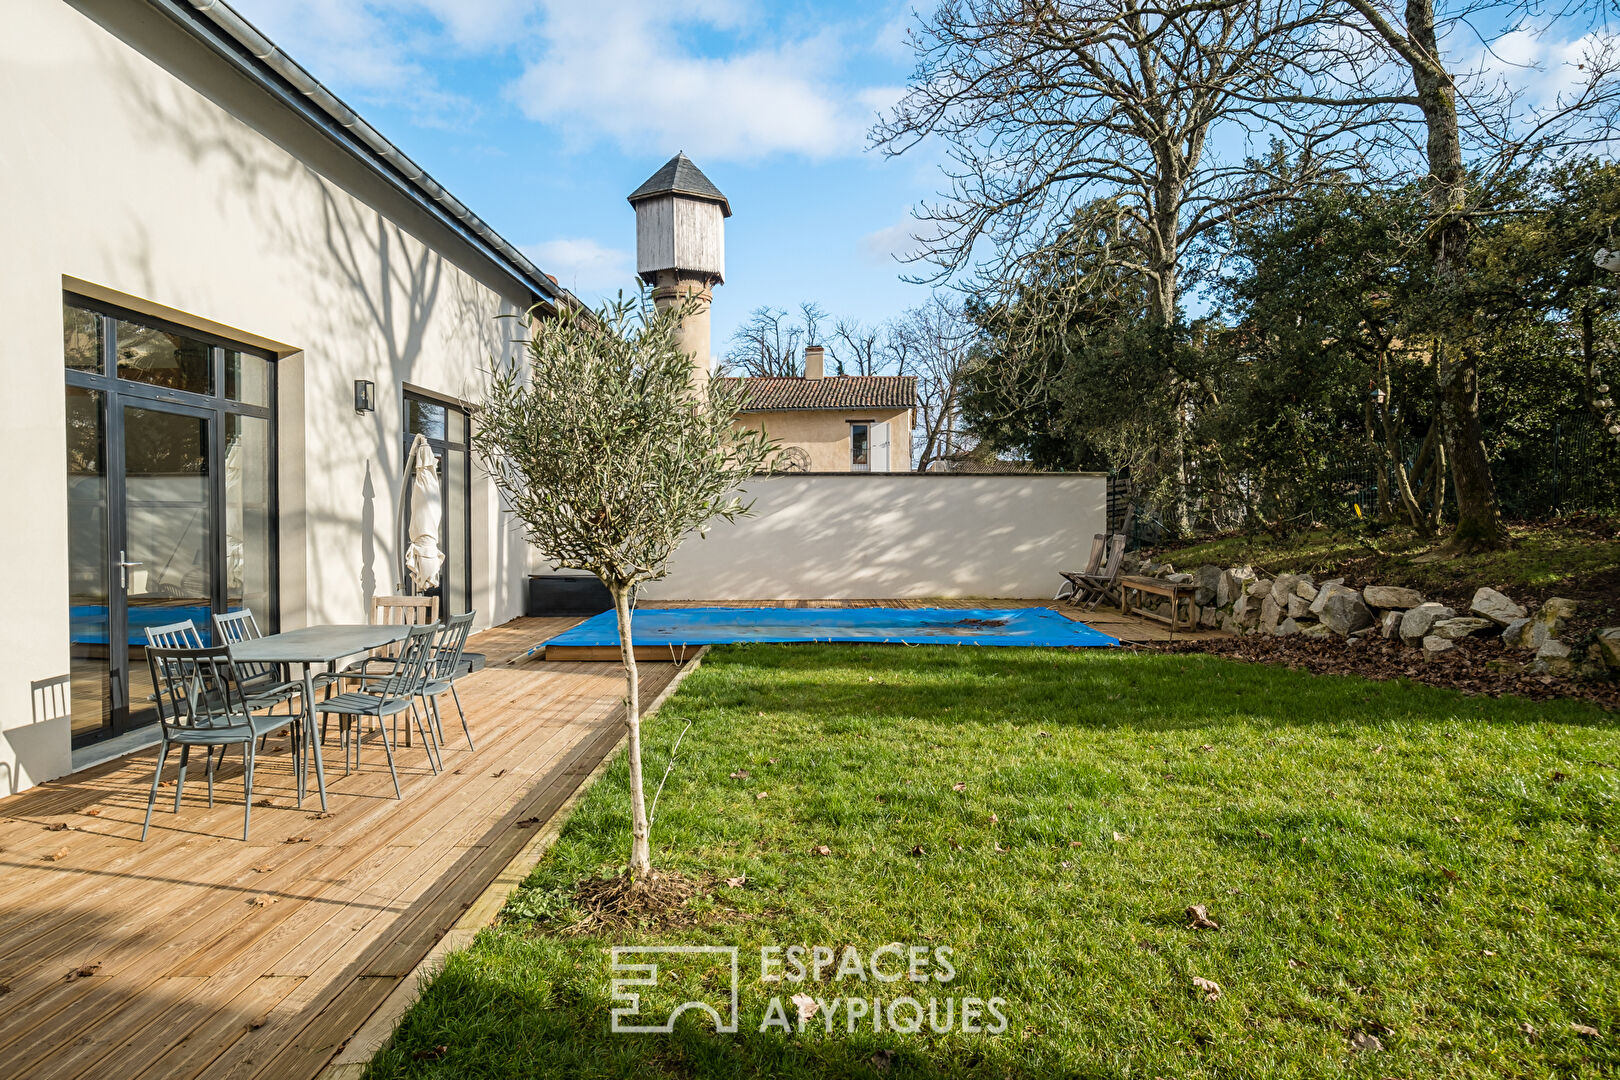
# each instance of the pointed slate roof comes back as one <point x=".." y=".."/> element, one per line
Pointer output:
<point x="680" y="177"/>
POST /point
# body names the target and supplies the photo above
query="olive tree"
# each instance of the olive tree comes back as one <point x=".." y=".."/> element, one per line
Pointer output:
<point x="610" y="453"/>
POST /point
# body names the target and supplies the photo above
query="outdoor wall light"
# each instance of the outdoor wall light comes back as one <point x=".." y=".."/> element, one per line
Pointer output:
<point x="365" y="396"/>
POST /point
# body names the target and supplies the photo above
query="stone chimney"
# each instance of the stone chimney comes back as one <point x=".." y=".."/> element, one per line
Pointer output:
<point x="680" y="246"/>
<point x="815" y="362"/>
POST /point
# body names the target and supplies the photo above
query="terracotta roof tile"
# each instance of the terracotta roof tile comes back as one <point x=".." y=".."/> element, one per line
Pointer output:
<point x="833" y="392"/>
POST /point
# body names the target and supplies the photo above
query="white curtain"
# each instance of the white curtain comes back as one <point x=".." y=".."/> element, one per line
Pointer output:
<point x="424" y="557"/>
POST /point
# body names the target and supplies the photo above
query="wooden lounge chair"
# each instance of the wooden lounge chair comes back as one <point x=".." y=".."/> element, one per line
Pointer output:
<point x="1092" y="589"/>
<point x="1093" y="565"/>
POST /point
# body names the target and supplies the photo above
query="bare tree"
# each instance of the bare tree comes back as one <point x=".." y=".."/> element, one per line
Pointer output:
<point x="1477" y="129"/>
<point x="934" y="342"/>
<point x="858" y="348"/>
<point x="771" y="342"/>
<point x="1096" y="117"/>
<point x="609" y="457"/>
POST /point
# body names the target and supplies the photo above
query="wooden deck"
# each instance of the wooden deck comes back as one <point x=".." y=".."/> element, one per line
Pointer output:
<point x="195" y="954"/>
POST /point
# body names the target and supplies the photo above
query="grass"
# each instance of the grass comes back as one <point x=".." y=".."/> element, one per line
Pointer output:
<point x="1383" y="859"/>
<point x="1583" y="556"/>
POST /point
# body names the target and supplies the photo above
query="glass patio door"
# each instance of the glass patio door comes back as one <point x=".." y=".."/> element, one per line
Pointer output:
<point x="171" y="509"/>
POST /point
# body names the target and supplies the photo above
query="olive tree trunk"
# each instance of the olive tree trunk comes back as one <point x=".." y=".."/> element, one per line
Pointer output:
<point x="640" y="848"/>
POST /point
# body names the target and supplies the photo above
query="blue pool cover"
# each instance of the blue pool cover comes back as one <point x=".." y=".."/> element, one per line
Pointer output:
<point x="908" y="626"/>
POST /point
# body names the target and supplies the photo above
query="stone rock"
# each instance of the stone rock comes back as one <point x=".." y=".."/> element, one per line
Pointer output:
<point x="1179" y="579"/>
<point x="1366" y="631"/>
<point x="1316" y="630"/>
<point x="1390" y="626"/>
<point x="1258" y="587"/>
<point x="1230" y="624"/>
<point x="1283" y="587"/>
<point x="1457" y="629"/>
<point x="1433" y="646"/>
<point x="1270" y="613"/>
<point x="1342" y="610"/>
<point x="1208" y="579"/>
<point x="1548" y="623"/>
<point x="1306" y="590"/>
<point x="1492" y="605"/>
<point x="1231" y="584"/>
<point x="1209" y="616"/>
<point x="1326" y="591"/>
<point x="1592" y="670"/>
<point x="1164" y="569"/>
<point x="1415" y="624"/>
<point x="1553" y="658"/>
<point x="1286" y="627"/>
<point x="1298" y="607"/>
<point x="1513" y="632"/>
<point x="1391" y="597"/>
<point x="1608" y="643"/>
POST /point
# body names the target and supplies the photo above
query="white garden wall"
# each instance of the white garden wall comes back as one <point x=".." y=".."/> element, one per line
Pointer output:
<point x="871" y="536"/>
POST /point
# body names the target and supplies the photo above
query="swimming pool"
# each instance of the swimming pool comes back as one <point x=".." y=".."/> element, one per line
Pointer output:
<point x="659" y="633"/>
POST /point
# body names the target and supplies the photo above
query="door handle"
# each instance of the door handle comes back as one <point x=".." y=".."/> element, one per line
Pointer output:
<point x="123" y="565"/>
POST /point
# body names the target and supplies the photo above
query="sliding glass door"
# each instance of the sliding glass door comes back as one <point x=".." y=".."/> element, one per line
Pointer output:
<point x="170" y="473"/>
<point x="445" y="428"/>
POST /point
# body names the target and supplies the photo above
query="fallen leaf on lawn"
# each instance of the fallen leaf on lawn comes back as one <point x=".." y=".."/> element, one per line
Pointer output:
<point x="880" y="798"/>
<point x="1064" y="864"/>
<point x="881" y="1059"/>
<point x="954" y="845"/>
<point x="1077" y="843"/>
<point x="994" y="820"/>
<point x="805" y="1004"/>
<point x="1206" y="748"/>
<point x="821" y="849"/>
<point x="918" y="850"/>
<point x="1558" y="777"/>
<point x="528" y="823"/>
<point x="263" y="901"/>
<point x="1490" y="952"/>
<point x="1118" y="839"/>
<point x="1455" y="820"/>
<point x="1295" y="963"/>
<point x="431" y="1053"/>
<point x="57" y="856"/>
<point x="1451" y="875"/>
<point x="762" y="795"/>
<point x="1361" y="1041"/>
<point x="958" y="786"/>
<point x="771" y="761"/>
<point x="1001" y="850"/>
<point x="1044" y="734"/>
<point x="1200" y="918"/>
<point x="1589" y="1032"/>
<point x="740" y="774"/>
<point x="1379" y="749"/>
<point x="1262" y="835"/>
<point x="1211" y="988"/>
<point x="296" y="840"/>
<point x="60" y="826"/>
<point x="736" y="882"/>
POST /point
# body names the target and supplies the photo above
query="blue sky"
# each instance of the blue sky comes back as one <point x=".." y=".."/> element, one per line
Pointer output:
<point x="542" y="115"/>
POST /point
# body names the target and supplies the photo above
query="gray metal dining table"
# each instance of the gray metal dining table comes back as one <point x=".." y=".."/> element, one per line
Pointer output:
<point x="308" y="647"/>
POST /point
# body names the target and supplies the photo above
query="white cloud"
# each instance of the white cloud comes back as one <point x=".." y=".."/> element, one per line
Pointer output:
<point x="637" y="80"/>
<point x="1537" y="63"/>
<point x="581" y="265"/>
<point x="899" y="241"/>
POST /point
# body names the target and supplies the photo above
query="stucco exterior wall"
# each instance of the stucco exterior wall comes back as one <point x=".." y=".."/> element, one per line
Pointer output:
<point x="139" y="163"/>
<point x="860" y="537"/>
<point x="824" y="434"/>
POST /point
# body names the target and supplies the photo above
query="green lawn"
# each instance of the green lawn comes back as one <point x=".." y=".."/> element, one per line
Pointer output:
<point x="1382" y="859"/>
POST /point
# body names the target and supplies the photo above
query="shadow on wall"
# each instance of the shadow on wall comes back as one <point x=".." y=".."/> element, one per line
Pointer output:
<point x="39" y="748"/>
<point x="366" y="299"/>
<point x="871" y="537"/>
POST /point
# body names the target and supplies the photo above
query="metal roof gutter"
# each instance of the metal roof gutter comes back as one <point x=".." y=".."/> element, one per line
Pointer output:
<point x="217" y="25"/>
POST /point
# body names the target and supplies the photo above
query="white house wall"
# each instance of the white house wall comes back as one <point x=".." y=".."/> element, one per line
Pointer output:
<point x="139" y="163"/>
<point x="902" y="535"/>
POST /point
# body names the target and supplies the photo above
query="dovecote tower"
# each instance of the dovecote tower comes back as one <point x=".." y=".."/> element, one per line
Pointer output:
<point x="681" y="245"/>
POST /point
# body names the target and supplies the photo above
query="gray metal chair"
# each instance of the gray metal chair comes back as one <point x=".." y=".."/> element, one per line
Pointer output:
<point x="200" y="703"/>
<point x="387" y="697"/>
<point x="444" y="668"/>
<point x="265" y="685"/>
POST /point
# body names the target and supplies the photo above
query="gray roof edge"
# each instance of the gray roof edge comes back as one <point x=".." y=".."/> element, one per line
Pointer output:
<point x="680" y="176"/>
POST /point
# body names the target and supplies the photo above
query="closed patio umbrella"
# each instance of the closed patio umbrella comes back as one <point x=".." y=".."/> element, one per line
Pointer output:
<point x="423" y="557"/>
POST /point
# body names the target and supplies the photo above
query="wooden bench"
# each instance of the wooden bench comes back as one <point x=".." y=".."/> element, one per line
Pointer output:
<point x="1175" y="592"/>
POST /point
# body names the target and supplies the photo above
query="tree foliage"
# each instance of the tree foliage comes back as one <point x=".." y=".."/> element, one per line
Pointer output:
<point x="609" y="455"/>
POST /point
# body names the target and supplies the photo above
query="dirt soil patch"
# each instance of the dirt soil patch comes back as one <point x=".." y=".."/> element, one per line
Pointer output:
<point x="1463" y="668"/>
<point x="656" y="902"/>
